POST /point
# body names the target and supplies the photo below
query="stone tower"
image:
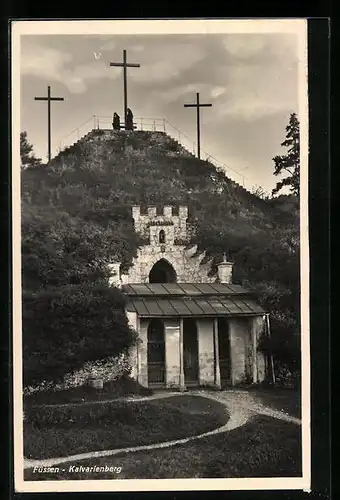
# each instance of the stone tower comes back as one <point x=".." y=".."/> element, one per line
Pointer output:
<point x="165" y="228"/>
<point x="166" y="255"/>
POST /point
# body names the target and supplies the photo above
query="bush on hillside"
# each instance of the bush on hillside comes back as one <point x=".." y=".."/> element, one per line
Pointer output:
<point x="108" y="369"/>
<point x="67" y="326"/>
<point x="59" y="249"/>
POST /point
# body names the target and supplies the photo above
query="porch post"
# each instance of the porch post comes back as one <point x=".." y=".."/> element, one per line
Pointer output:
<point x="138" y="351"/>
<point x="254" y="329"/>
<point x="181" y="357"/>
<point x="217" y="356"/>
<point x="271" y="355"/>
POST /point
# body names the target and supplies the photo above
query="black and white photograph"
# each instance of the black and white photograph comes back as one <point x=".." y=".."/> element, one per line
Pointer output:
<point x="160" y="255"/>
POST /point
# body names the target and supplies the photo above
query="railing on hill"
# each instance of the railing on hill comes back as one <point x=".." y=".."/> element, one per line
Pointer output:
<point x="152" y="125"/>
<point x="77" y="133"/>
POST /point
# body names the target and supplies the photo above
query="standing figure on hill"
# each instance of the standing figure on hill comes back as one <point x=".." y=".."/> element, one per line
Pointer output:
<point x="116" y="122"/>
<point x="129" y="120"/>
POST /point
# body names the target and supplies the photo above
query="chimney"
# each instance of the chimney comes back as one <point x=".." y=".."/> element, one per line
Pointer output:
<point x="225" y="271"/>
<point x="114" y="278"/>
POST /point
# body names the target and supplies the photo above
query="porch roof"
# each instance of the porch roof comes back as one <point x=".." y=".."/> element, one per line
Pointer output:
<point x="182" y="289"/>
<point x="189" y="306"/>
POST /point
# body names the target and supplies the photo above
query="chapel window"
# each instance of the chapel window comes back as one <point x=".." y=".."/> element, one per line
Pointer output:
<point x="161" y="236"/>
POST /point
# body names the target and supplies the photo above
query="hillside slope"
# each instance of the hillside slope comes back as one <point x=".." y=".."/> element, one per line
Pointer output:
<point x="76" y="215"/>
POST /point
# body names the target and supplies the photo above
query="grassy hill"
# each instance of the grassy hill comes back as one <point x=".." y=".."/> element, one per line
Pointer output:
<point x="76" y="215"/>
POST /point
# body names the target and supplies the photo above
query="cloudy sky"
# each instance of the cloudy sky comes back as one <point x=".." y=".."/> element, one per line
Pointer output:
<point x="250" y="79"/>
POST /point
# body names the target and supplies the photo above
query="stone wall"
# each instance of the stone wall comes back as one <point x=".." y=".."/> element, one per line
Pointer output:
<point x="187" y="262"/>
<point x="108" y="369"/>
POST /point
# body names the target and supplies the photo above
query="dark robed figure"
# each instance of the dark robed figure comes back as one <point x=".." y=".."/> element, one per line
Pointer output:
<point x="116" y="122"/>
<point x="129" y="120"/>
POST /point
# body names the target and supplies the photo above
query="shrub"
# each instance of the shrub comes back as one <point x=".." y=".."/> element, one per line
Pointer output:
<point x="109" y="369"/>
<point x="65" y="327"/>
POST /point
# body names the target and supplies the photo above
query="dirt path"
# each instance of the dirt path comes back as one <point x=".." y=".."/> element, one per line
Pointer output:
<point x="242" y="405"/>
<point x="239" y="405"/>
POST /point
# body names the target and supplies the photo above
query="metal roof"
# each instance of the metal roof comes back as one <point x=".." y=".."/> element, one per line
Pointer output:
<point x="182" y="289"/>
<point x="186" y="306"/>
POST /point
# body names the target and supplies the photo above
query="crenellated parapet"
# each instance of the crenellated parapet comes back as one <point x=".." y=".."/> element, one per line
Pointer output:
<point x="150" y="224"/>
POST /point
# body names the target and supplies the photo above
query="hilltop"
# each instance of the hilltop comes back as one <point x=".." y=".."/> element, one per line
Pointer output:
<point x="76" y="216"/>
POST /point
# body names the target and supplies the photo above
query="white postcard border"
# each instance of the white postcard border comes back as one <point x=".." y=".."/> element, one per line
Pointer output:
<point x="150" y="27"/>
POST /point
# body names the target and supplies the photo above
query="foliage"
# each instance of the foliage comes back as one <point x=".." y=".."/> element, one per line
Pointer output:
<point x="62" y="325"/>
<point x="27" y="155"/>
<point x="289" y="162"/>
<point x="59" y="249"/>
<point x="260" y="192"/>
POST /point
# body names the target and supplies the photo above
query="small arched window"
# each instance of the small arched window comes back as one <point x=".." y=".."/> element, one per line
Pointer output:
<point x="161" y="236"/>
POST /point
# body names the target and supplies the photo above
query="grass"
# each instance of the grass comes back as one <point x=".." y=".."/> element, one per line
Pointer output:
<point x="264" y="447"/>
<point x="125" y="386"/>
<point x="66" y="430"/>
<point x="286" y="400"/>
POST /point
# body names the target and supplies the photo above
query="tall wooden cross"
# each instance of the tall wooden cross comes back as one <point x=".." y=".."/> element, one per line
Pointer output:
<point x="198" y="105"/>
<point x="125" y="65"/>
<point x="49" y="99"/>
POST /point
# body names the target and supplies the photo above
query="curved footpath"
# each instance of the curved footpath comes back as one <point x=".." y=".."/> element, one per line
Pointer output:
<point x="239" y="405"/>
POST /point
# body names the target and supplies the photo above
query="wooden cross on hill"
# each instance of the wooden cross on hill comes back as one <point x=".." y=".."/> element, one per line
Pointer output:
<point x="198" y="105"/>
<point x="49" y="99"/>
<point x="125" y="65"/>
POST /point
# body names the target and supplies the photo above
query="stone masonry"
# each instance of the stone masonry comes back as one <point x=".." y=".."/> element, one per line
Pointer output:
<point x="186" y="262"/>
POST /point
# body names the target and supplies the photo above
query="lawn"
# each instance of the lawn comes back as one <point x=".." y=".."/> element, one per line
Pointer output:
<point x="286" y="400"/>
<point x="264" y="447"/>
<point x="124" y="386"/>
<point x="66" y="430"/>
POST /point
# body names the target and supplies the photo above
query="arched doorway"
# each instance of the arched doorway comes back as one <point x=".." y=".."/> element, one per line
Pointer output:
<point x="156" y="352"/>
<point x="162" y="272"/>
<point x="224" y="351"/>
<point x="190" y="351"/>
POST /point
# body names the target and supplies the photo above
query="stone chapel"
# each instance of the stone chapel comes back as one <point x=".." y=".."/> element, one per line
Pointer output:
<point x="195" y="328"/>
